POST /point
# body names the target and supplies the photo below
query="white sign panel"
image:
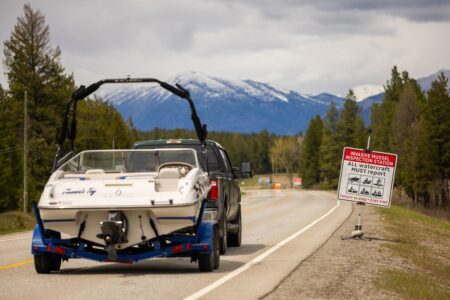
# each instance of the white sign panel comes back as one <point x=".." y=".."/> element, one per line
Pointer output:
<point x="367" y="177"/>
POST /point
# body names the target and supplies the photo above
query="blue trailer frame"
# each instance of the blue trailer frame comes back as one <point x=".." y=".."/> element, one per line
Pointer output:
<point x="179" y="244"/>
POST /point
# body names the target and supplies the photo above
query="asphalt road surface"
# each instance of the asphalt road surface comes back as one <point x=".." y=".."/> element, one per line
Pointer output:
<point x="280" y="229"/>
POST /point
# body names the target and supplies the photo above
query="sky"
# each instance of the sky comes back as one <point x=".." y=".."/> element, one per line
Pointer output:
<point x="305" y="46"/>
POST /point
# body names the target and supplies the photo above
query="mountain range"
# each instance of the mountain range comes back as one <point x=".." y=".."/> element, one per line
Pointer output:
<point x="232" y="105"/>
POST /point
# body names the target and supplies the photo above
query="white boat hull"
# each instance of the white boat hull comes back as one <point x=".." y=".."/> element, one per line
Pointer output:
<point x="165" y="219"/>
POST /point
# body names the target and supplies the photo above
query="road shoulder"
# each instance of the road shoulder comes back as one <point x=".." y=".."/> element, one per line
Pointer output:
<point x="341" y="269"/>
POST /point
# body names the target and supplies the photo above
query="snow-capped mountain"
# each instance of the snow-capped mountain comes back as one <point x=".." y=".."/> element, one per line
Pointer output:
<point x="228" y="105"/>
<point x="425" y="82"/>
<point x="365" y="91"/>
<point x="232" y="105"/>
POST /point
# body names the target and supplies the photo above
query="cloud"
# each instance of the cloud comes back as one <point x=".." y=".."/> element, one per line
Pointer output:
<point x="308" y="46"/>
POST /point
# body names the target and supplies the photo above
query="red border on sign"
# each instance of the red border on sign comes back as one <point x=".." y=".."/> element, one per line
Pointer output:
<point x="373" y="158"/>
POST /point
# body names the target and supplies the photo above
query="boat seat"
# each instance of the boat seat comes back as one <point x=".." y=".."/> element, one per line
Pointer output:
<point x="95" y="171"/>
<point x="169" y="173"/>
<point x="167" y="180"/>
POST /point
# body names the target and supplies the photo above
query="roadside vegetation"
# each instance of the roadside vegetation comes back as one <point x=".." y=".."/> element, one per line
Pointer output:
<point x="421" y="255"/>
<point x="15" y="221"/>
<point x="409" y="122"/>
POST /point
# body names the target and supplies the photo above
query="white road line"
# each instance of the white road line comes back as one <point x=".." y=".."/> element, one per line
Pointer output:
<point x="16" y="239"/>
<point x="257" y="259"/>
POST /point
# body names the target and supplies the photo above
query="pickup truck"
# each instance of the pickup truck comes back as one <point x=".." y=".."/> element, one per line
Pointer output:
<point x="225" y="196"/>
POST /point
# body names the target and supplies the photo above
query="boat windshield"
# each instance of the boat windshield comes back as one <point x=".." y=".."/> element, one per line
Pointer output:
<point x="128" y="161"/>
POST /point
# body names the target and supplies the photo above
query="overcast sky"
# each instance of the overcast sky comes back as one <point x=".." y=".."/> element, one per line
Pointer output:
<point x="307" y="46"/>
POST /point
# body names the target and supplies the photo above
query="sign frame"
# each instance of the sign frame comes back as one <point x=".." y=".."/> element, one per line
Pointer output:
<point x="372" y="195"/>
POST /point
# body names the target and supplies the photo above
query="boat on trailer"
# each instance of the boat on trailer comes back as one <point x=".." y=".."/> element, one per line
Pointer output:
<point x="124" y="205"/>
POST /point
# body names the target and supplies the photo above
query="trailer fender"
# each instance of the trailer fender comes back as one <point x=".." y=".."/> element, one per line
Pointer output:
<point x="206" y="233"/>
<point x="37" y="241"/>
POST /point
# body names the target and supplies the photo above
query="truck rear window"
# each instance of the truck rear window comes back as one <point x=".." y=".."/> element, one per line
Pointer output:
<point x="213" y="163"/>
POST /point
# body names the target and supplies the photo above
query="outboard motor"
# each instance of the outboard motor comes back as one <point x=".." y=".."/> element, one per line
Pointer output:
<point x="114" y="231"/>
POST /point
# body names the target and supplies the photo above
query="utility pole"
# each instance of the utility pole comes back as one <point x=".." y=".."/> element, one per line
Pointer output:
<point x="25" y="154"/>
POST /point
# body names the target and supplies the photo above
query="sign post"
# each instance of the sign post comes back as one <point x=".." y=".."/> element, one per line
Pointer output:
<point x="367" y="177"/>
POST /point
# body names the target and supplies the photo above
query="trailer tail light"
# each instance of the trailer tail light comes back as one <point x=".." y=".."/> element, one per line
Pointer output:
<point x="176" y="249"/>
<point x="59" y="250"/>
<point x="214" y="191"/>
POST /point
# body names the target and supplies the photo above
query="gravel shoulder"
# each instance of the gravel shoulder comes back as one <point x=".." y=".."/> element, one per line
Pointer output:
<point x="342" y="269"/>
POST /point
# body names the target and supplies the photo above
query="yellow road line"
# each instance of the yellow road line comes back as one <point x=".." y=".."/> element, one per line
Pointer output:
<point x="21" y="263"/>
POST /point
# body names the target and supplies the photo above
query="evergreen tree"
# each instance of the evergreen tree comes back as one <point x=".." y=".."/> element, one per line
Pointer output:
<point x="10" y="156"/>
<point x="262" y="154"/>
<point x="330" y="149"/>
<point x="32" y="65"/>
<point x="435" y="143"/>
<point x="406" y="134"/>
<point x="351" y="131"/>
<point x="310" y="153"/>
<point x="100" y="126"/>
<point x="381" y="120"/>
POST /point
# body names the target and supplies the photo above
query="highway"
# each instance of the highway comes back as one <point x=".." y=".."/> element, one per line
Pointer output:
<point x="280" y="229"/>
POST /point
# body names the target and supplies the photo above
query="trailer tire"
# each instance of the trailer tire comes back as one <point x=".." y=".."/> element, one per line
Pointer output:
<point x="235" y="238"/>
<point x="43" y="263"/>
<point x="56" y="262"/>
<point x="210" y="261"/>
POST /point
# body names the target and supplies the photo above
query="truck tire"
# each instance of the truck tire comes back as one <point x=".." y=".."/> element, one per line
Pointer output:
<point x="224" y="238"/>
<point x="209" y="262"/>
<point x="235" y="238"/>
<point x="43" y="263"/>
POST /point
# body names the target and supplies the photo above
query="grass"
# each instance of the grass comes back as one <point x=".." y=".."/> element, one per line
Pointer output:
<point x="423" y="248"/>
<point x="253" y="182"/>
<point x="15" y="221"/>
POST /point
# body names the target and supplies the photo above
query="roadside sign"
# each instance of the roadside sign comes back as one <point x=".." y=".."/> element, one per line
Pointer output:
<point x="297" y="181"/>
<point x="367" y="177"/>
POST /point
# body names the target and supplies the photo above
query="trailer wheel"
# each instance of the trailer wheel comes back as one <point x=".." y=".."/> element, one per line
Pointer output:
<point x="56" y="262"/>
<point x="209" y="262"/>
<point x="43" y="263"/>
<point x="235" y="238"/>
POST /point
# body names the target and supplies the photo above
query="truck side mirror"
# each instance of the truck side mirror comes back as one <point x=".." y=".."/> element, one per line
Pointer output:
<point x="246" y="170"/>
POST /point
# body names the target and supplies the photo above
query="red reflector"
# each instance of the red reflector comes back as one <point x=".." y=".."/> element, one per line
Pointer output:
<point x="49" y="248"/>
<point x="178" y="248"/>
<point x="60" y="250"/>
<point x="188" y="247"/>
<point x="205" y="247"/>
<point x="35" y="248"/>
<point x="214" y="191"/>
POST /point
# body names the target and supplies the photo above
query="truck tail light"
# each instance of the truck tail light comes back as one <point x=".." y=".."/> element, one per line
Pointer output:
<point x="214" y="191"/>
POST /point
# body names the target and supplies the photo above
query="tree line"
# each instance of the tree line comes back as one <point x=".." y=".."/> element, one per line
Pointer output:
<point x="409" y="122"/>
